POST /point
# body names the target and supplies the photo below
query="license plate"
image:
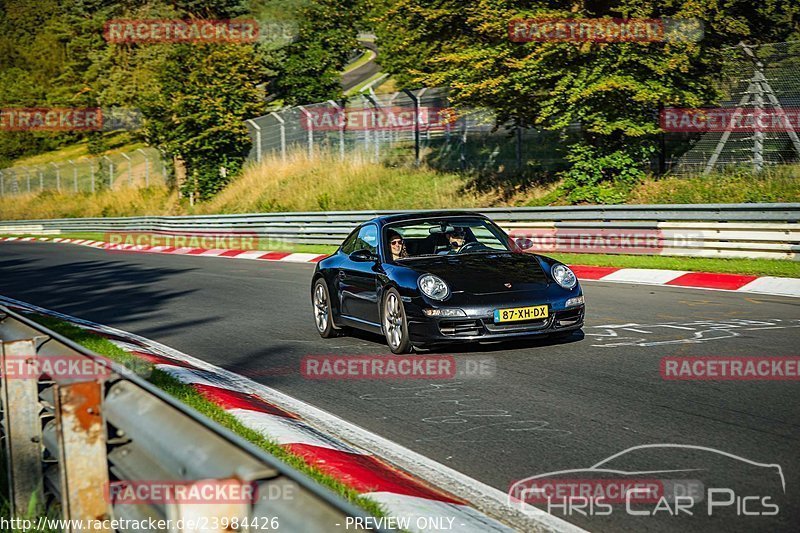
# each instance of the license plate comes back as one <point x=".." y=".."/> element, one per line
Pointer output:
<point x="535" y="312"/>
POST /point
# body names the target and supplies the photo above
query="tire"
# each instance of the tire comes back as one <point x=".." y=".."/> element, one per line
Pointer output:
<point x="395" y="323"/>
<point x="321" y="304"/>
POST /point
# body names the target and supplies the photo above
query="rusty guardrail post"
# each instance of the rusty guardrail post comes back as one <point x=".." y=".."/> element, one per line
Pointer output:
<point x="83" y="463"/>
<point x="22" y="425"/>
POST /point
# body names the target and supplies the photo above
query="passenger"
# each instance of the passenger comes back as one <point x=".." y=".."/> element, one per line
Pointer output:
<point x="397" y="245"/>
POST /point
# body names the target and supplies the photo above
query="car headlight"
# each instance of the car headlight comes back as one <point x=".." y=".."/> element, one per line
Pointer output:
<point x="433" y="287"/>
<point x="564" y="276"/>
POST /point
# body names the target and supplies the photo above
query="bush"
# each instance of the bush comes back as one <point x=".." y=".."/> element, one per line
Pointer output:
<point x="595" y="177"/>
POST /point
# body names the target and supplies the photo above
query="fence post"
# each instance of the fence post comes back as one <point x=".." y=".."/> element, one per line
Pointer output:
<point x="41" y="179"/>
<point x="146" y="167"/>
<point x="258" y="138"/>
<point x="340" y="111"/>
<point x="310" y="131"/>
<point x="373" y="104"/>
<point x="74" y="174"/>
<point x="130" y="169"/>
<point x="282" y="126"/>
<point x="23" y="430"/>
<point x="2" y="184"/>
<point x="91" y="171"/>
<point x="110" y="171"/>
<point x="58" y="177"/>
<point x="415" y="101"/>
<point x="28" y="176"/>
<point x="518" y="127"/>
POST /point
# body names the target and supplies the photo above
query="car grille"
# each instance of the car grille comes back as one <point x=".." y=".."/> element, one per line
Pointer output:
<point x="460" y="328"/>
<point x="526" y="325"/>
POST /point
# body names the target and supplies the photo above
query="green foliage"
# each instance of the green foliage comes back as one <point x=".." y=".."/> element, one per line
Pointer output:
<point x="612" y="90"/>
<point x="309" y="68"/>
<point x="206" y="92"/>
<point x="603" y="178"/>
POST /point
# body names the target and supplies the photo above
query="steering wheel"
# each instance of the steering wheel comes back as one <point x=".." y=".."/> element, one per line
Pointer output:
<point x="468" y="246"/>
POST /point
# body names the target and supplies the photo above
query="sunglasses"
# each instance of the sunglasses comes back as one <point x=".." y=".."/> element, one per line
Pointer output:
<point x="396" y="241"/>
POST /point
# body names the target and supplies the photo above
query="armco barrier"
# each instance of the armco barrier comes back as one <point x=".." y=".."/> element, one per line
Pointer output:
<point x="68" y="436"/>
<point x="702" y="230"/>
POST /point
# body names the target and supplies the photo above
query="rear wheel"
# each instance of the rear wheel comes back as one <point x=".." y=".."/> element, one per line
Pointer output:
<point x="323" y="318"/>
<point x="395" y="324"/>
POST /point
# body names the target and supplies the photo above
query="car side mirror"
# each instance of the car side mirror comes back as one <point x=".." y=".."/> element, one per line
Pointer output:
<point x="363" y="256"/>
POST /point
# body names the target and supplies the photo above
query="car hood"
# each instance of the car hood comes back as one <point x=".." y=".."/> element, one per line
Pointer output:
<point x="484" y="273"/>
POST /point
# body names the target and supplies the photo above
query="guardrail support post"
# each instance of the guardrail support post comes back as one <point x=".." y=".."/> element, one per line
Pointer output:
<point x="83" y="464"/>
<point x="22" y="426"/>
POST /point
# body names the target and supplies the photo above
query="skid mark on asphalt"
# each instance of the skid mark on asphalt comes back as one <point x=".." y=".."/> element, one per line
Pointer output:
<point x="694" y="332"/>
<point x="473" y="423"/>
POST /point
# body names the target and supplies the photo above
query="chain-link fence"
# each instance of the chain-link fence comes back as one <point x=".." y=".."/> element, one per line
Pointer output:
<point x="758" y="82"/>
<point x="140" y="168"/>
<point x="417" y="124"/>
<point x="422" y="124"/>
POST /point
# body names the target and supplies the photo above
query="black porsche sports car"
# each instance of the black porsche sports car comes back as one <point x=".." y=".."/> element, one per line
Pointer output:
<point x="424" y="279"/>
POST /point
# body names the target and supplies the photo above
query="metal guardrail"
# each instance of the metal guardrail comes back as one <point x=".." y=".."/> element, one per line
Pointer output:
<point x="705" y="230"/>
<point x="71" y="438"/>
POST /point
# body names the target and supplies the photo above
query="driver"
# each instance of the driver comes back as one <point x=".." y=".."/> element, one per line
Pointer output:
<point x="456" y="240"/>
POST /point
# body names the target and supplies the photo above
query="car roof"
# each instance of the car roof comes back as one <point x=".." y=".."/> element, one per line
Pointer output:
<point x="413" y="215"/>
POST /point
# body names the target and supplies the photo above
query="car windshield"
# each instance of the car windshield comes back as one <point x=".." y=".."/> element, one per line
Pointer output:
<point x="431" y="237"/>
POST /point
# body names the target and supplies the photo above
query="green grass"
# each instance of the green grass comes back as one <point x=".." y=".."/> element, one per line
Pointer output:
<point x="116" y="142"/>
<point x="356" y="89"/>
<point x="736" y="185"/>
<point x="189" y="396"/>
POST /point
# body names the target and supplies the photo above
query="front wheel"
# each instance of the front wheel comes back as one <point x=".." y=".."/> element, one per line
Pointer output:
<point x="395" y="324"/>
<point x="323" y="318"/>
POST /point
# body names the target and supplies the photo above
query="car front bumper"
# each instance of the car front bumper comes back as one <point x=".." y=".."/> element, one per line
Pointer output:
<point x="479" y="325"/>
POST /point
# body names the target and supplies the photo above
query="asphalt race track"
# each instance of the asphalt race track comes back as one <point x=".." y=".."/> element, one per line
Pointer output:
<point x="547" y="406"/>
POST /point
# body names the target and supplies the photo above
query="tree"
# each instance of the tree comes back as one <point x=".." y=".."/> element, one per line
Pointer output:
<point x="612" y="89"/>
<point x="205" y="93"/>
<point x="309" y="69"/>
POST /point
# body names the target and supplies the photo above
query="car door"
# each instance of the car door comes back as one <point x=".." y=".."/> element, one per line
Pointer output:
<point x="358" y="279"/>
